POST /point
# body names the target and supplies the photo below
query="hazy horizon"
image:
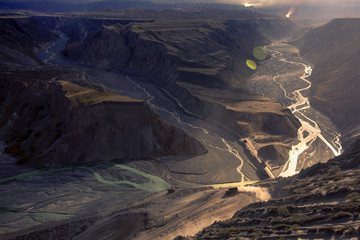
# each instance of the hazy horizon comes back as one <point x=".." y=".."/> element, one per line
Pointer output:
<point x="255" y="3"/>
<point x="322" y="9"/>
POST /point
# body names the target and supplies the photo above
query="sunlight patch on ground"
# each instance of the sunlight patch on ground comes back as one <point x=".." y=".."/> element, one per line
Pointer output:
<point x="234" y="184"/>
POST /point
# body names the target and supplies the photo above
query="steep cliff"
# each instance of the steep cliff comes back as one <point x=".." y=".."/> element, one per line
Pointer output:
<point x="206" y="53"/>
<point x="277" y="28"/>
<point x="19" y="40"/>
<point x="266" y="127"/>
<point x="334" y="49"/>
<point x="47" y="121"/>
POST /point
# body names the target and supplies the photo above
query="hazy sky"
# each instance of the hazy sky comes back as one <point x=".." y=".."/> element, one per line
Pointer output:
<point x="249" y="2"/>
<point x="301" y="2"/>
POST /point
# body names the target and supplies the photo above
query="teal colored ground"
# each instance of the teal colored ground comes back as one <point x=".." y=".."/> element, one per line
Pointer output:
<point x="155" y="184"/>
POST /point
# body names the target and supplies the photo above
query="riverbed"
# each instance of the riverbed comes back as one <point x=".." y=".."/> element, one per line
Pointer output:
<point x="286" y="78"/>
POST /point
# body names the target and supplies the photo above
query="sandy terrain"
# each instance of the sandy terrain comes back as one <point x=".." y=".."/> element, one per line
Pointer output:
<point x="115" y="201"/>
<point x="187" y="211"/>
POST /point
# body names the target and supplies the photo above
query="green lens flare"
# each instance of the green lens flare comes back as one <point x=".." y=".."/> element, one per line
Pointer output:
<point x="259" y="53"/>
<point x="251" y="64"/>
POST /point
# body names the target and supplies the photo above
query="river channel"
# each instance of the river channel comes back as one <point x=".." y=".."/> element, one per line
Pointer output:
<point x="284" y="77"/>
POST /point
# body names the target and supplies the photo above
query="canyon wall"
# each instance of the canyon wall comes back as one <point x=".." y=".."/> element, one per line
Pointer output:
<point x="196" y="60"/>
<point x="334" y="50"/>
<point x="47" y="120"/>
<point x="179" y="55"/>
<point x="60" y="122"/>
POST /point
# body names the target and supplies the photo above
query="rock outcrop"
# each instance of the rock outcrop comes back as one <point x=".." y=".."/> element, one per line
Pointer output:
<point x="46" y="121"/>
<point x="278" y="28"/>
<point x="260" y="122"/>
<point x="77" y="28"/>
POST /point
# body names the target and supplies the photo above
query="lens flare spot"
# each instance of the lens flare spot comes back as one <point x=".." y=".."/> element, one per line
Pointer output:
<point x="251" y="64"/>
<point x="290" y="12"/>
<point x="259" y="53"/>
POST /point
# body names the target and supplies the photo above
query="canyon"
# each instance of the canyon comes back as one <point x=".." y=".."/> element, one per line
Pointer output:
<point x="321" y="201"/>
<point x="113" y="111"/>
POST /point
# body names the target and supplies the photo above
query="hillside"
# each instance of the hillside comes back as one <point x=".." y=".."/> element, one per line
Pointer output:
<point x="334" y="50"/>
<point x="203" y="52"/>
<point x="321" y="202"/>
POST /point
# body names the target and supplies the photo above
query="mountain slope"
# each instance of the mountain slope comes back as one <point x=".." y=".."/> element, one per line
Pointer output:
<point x="19" y="40"/>
<point x="167" y="51"/>
<point x="334" y="49"/>
<point x="321" y="202"/>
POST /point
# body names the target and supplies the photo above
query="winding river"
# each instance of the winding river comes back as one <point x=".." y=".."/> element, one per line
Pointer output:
<point x="295" y="100"/>
<point x="287" y="72"/>
<point x="154" y="97"/>
<point x="47" y="195"/>
<point x="228" y="148"/>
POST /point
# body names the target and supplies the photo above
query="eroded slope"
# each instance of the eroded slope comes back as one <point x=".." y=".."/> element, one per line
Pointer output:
<point x="321" y="202"/>
<point x="58" y="122"/>
<point x="334" y="49"/>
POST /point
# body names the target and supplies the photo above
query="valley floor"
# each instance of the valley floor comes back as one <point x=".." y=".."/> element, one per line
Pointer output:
<point x="93" y="200"/>
<point x="64" y="202"/>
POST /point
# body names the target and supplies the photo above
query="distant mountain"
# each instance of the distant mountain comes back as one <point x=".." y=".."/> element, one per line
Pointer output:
<point x="47" y="6"/>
